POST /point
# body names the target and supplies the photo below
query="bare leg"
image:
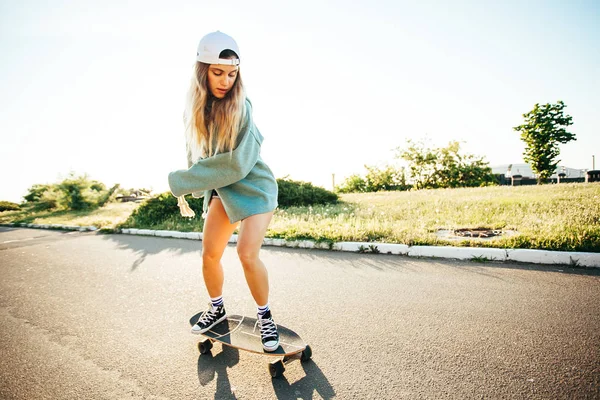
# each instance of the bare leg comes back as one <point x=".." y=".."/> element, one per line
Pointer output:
<point x="251" y="235"/>
<point x="216" y="234"/>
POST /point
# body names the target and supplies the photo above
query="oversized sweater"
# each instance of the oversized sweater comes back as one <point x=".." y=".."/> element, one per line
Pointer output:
<point x="243" y="181"/>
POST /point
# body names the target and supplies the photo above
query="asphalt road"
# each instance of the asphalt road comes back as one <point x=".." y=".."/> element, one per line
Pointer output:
<point x="91" y="316"/>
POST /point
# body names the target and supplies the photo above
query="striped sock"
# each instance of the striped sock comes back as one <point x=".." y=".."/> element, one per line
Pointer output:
<point x="262" y="310"/>
<point x="216" y="302"/>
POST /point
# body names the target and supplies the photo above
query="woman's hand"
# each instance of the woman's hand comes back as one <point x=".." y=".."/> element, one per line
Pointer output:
<point x="184" y="207"/>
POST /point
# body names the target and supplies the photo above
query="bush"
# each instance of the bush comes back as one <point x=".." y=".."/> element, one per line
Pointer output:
<point x="50" y="199"/>
<point x="352" y="184"/>
<point x="73" y="193"/>
<point x="8" y="206"/>
<point x="74" y="190"/>
<point x="297" y="193"/>
<point x="376" y="179"/>
<point x="36" y="192"/>
<point x="162" y="207"/>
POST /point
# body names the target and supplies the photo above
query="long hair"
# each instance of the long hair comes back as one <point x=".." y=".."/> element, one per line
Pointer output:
<point x="213" y="128"/>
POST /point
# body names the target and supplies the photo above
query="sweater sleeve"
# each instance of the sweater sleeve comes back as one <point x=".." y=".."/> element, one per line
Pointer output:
<point x="219" y="170"/>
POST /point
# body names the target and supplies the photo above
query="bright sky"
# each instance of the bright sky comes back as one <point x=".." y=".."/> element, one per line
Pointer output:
<point x="98" y="87"/>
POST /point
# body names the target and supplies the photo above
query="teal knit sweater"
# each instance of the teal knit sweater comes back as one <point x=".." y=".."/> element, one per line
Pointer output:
<point x="244" y="183"/>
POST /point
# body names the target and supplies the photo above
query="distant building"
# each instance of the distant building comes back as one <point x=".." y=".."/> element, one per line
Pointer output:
<point x="526" y="172"/>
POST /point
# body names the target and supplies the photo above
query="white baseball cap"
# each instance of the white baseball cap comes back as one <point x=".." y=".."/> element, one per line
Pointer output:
<point x="212" y="45"/>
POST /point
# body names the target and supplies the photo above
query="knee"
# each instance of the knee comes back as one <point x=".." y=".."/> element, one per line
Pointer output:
<point x="210" y="258"/>
<point x="248" y="257"/>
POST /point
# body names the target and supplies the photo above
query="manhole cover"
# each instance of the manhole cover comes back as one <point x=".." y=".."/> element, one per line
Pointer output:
<point x="474" y="234"/>
<point x="477" y="232"/>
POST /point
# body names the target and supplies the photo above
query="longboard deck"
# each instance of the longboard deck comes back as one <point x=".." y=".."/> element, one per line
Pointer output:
<point x="243" y="333"/>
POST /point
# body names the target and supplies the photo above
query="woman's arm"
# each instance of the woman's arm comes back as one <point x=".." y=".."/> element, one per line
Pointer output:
<point x="219" y="170"/>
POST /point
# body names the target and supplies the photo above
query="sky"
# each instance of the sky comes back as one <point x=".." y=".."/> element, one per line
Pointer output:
<point x="98" y="87"/>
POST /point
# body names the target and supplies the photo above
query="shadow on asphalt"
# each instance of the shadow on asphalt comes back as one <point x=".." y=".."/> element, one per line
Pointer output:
<point x="304" y="388"/>
<point x="209" y="366"/>
<point x="389" y="262"/>
<point x="151" y="245"/>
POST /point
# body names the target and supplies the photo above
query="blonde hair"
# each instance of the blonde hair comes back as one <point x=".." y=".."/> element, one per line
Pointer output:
<point x="213" y="130"/>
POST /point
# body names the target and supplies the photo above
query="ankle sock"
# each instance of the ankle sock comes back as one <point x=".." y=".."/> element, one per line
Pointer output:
<point x="262" y="310"/>
<point x="216" y="301"/>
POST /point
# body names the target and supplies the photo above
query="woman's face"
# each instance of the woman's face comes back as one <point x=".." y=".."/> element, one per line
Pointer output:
<point x="221" y="79"/>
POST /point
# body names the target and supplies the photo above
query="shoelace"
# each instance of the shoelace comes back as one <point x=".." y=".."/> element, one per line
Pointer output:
<point x="267" y="327"/>
<point x="207" y="317"/>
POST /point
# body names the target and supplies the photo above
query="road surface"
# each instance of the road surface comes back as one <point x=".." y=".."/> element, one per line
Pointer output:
<point x="92" y="316"/>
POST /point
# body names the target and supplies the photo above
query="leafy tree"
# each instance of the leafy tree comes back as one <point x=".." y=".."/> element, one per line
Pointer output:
<point x="74" y="188"/>
<point x="375" y="180"/>
<point x="36" y="192"/>
<point x="352" y="184"/>
<point x="73" y="193"/>
<point x="444" y="167"/>
<point x="543" y="130"/>
<point x="98" y="186"/>
<point x="384" y="178"/>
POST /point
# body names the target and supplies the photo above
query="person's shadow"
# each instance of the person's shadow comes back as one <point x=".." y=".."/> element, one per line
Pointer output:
<point x="210" y="365"/>
<point x="304" y="388"/>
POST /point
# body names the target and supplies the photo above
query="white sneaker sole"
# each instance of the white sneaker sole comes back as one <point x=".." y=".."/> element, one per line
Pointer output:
<point x="199" y="331"/>
<point x="271" y="348"/>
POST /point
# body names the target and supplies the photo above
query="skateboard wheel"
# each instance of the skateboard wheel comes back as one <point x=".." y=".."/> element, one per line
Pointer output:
<point x="276" y="369"/>
<point x="205" y="346"/>
<point x="306" y="354"/>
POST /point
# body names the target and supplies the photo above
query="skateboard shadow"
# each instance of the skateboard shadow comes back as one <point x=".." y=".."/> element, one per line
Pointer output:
<point x="210" y="365"/>
<point x="304" y="388"/>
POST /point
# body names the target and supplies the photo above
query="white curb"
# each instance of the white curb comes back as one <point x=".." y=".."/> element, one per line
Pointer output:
<point x="459" y="253"/>
<point x="391" y="248"/>
<point x="233" y="239"/>
<point x="575" y="259"/>
<point x="347" y="246"/>
<point x="554" y="257"/>
<point x="145" y="232"/>
<point x="53" y="226"/>
<point x="165" y="233"/>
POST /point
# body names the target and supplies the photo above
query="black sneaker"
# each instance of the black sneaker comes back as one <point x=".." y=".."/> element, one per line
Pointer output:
<point x="268" y="332"/>
<point x="209" y="318"/>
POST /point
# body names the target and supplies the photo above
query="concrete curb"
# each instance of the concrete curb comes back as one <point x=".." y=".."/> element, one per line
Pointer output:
<point x="54" y="226"/>
<point x="575" y="259"/>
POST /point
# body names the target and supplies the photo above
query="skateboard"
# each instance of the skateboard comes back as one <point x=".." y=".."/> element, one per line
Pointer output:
<point x="243" y="333"/>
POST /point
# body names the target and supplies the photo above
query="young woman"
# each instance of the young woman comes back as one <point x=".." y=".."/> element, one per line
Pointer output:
<point x="224" y="166"/>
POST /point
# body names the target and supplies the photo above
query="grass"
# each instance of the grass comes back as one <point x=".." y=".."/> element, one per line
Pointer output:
<point x="553" y="217"/>
<point x="556" y="217"/>
<point x="108" y="217"/>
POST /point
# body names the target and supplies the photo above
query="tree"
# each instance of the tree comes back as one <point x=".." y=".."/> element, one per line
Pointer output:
<point x="444" y="167"/>
<point x="36" y="192"/>
<point x="76" y="192"/>
<point x="543" y="130"/>
<point x="376" y="179"/>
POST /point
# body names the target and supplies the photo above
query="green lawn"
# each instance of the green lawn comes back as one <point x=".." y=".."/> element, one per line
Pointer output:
<point x="554" y="217"/>
<point x="109" y="216"/>
<point x="557" y="217"/>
